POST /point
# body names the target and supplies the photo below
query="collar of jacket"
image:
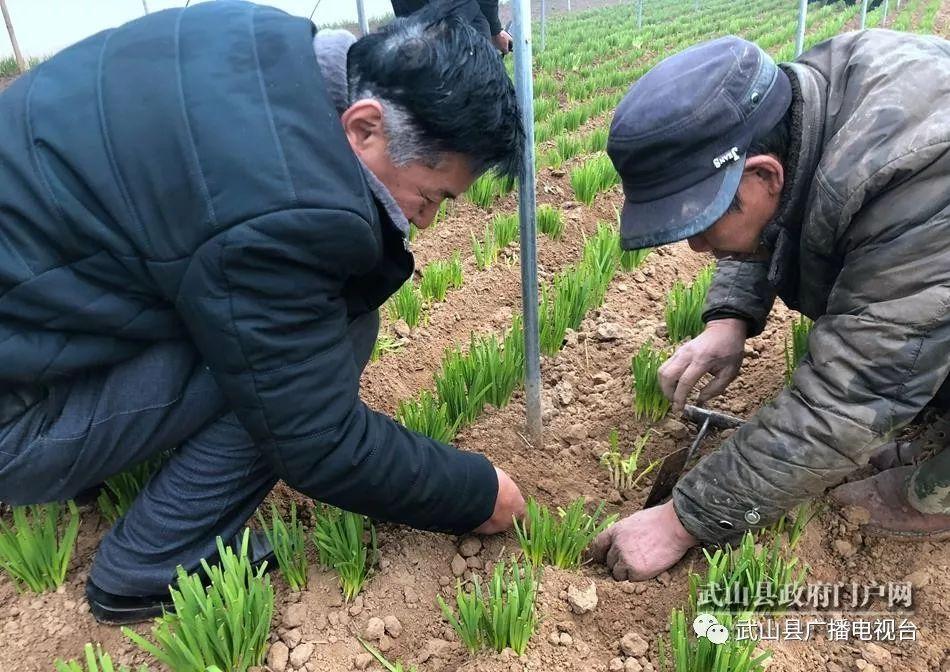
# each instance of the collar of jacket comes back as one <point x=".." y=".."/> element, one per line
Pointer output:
<point x="783" y="233"/>
<point x="331" y="48"/>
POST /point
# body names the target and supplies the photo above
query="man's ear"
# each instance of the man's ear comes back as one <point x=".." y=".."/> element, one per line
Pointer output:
<point x="769" y="169"/>
<point x="363" y="124"/>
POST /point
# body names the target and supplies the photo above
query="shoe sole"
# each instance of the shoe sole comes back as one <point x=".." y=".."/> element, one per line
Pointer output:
<point x="112" y="615"/>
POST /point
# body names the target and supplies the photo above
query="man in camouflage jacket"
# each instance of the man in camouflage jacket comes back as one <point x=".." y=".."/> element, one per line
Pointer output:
<point x="825" y="182"/>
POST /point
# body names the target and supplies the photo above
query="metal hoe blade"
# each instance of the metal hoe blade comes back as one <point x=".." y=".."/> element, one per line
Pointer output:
<point x="675" y="462"/>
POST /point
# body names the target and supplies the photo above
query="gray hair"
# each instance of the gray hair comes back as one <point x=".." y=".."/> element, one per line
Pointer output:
<point x="406" y="143"/>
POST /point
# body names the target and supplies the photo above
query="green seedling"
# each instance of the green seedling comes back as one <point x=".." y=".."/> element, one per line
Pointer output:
<point x="427" y="416"/>
<point x="595" y="175"/>
<point x="688" y="653"/>
<point x="440" y="276"/>
<point x="543" y="107"/>
<point x="510" y="611"/>
<point x="551" y="158"/>
<point x="797" y="347"/>
<point x="550" y="222"/>
<point x="290" y="545"/>
<point x="435" y="281"/>
<point x="461" y="384"/>
<point x="568" y="146"/>
<point x="631" y="259"/>
<point x="483" y="191"/>
<point x="381" y="659"/>
<point x="684" y="307"/>
<point x="649" y="402"/>
<point x="384" y="345"/>
<point x="504" y="230"/>
<point x="562" y="539"/>
<point x="225" y="625"/>
<point x="442" y="214"/>
<point x="510" y="373"/>
<point x="34" y="552"/>
<point x="793" y="527"/>
<point x="563" y="307"/>
<point x="597" y="141"/>
<point x="9" y="67"/>
<point x="543" y="132"/>
<point x="97" y="661"/>
<point x="599" y="261"/>
<point x="759" y="576"/>
<point x="120" y="491"/>
<point x="501" y="617"/>
<point x="469" y="623"/>
<point x="456" y="277"/>
<point x="346" y="543"/>
<point x="624" y="475"/>
<point x="485" y="250"/>
<point x="406" y="304"/>
<point x="488" y="188"/>
<point x="500" y="365"/>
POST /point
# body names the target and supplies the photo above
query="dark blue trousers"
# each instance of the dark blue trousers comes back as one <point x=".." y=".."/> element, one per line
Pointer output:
<point x="101" y="423"/>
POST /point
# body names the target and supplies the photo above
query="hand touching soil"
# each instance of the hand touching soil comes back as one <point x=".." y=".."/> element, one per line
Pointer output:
<point x="508" y="504"/>
<point x="643" y="545"/>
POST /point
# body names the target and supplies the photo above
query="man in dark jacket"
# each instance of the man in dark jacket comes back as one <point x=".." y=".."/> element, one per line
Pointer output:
<point x="482" y="14"/>
<point x="200" y="213"/>
<point x="825" y="182"/>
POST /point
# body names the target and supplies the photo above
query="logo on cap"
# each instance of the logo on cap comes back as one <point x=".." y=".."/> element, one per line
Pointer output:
<point x="729" y="157"/>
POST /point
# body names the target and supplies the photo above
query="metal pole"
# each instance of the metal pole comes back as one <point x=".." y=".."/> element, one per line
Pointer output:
<point x="568" y="5"/>
<point x="884" y="14"/>
<point x="21" y="64"/>
<point x="800" y="41"/>
<point x="864" y="13"/>
<point x="145" y="6"/>
<point x="544" y="24"/>
<point x="361" y="15"/>
<point x="527" y="208"/>
<point x="639" y="14"/>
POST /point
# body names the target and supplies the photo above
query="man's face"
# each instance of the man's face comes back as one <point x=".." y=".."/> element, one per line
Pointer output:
<point x="737" y="234"/>
<point x="417" y="188"/>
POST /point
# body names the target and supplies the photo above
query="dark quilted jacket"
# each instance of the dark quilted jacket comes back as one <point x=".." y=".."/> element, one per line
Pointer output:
<point x="186" y="176"/>
<point x="862" y="245"/>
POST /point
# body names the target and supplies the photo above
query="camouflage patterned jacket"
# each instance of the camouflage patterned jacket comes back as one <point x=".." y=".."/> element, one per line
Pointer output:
<point x="861" y="244"/>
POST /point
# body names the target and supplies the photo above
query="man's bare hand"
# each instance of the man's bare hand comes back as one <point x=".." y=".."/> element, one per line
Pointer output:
<point x="718" y="350"/>
<point x="503" y="42"/>
<point x="643" y="545"/>
<point x="509" y="504"/>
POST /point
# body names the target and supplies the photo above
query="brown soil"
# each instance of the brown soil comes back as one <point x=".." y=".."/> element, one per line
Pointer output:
<point x="942" y="22"/>
<point x="5" y="82"/>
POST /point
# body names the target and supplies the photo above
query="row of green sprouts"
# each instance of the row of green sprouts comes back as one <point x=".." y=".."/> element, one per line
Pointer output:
<point x="755" y="579"/>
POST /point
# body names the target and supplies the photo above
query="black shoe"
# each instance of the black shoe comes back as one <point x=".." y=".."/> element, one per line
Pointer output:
<point x="110" y="609"/>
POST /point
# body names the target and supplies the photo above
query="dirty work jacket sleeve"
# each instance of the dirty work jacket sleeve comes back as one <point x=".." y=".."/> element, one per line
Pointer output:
<point x="740" y="289"/>
<point x="262" y="301"/>
<point x="876" y="358"/>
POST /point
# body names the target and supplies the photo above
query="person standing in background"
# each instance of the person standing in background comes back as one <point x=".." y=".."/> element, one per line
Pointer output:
<point x="483" y="15"/>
